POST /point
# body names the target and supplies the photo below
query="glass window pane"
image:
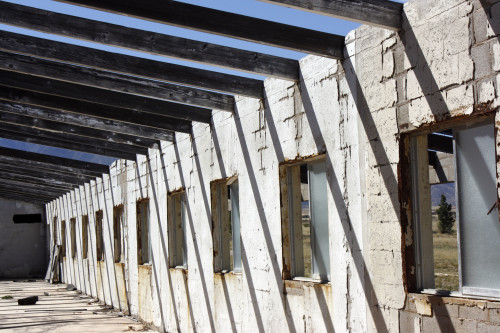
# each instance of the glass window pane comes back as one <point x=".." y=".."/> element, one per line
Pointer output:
<point x="319" y="220"/>
<point x="476" y="192"/>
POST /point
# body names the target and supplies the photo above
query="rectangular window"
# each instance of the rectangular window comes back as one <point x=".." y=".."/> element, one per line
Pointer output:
<point x="119" y="242"/>
<point x="63" y="238"/>
<point x="455" y="212"/>
<point x="305" y="220"/>
<point x="143" y="233"/>
<point x="99" y="236"/>
<point x="54" y="230"/>
<point x="176" y="209"/>
<point x="72" y="223"/>
<point x="226" y="225"/>
<point x="85" y="236"/>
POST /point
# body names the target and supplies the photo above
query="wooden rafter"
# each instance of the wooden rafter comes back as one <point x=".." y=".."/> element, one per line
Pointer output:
<point x="135" y="66"/>
<point x="224" y="24"/>
<point x="146" y="41"/>
<point x="380" y="13"/>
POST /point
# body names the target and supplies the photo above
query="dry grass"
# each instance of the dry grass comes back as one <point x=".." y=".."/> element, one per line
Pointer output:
<point x="445" y="258"/>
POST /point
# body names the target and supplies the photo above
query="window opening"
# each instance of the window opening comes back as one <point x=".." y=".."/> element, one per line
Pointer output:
<point x="99" y="236"/>
<point x="143" y="233"/>
<point x="63" y="238"/>
<point x="72" y="223"/>
<point x="226" y="225"/>
<point x="85" y="236"/>
<point x="27" y="218"/>
<point x="176" y="208"/>
<point x="305" y="224"/>
<point x="454" y="179"/>
<point x="118" y="227"/>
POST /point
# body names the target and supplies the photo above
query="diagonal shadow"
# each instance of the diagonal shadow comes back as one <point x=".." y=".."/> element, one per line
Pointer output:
<point x="92" y="259"/>
<point x="193" y="234"/>
<point x="333" y="184"/>
<point x="156" y="266"/>
<point x="228" y="303"/>
<point x="164" y="246"/>
<point x="264" y="223"/>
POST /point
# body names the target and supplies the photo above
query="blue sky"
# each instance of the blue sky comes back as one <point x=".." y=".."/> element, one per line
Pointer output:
<point x="246" y="7"/>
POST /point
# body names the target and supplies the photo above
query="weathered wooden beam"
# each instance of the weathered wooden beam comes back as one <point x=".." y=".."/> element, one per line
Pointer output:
<point x="13" y="132"/>
<point x="440" y="143"/>
<point x="69" y="137"/>
<point x="147" y="41"/>
<point x="57" y="163"/>
<point x="59" y="127"/>
<point x="24" y="198"/>
<point x="380" y="13"/>
<point x="134" y="115"/>
<point x="205" y="100"/>
<point x="225" y="24"/>
<point x="19" y="167"/>
<point x="136" y="66"/>
<point x="5" y="175"/>
<point x="44" y="190"/>
<point x="91" y="116"/>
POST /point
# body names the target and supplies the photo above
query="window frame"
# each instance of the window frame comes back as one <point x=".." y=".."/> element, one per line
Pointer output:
<point x="220" y="230"/>
<point x="100" y="252"/>
<point x="410" y="217"/>
<point x="140" y="204"/>
<point x="286" y="171"/>
<point x="118" y="230"/>
<point x="72" y="224"/>
<point x="63" y="238"/>
<point x="176" y="226"/>
<point x="85" y="236"/>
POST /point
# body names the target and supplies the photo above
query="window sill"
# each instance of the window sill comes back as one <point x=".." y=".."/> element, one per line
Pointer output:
<point x="178" y="268"/>
<point x="297" y="285"/>
<point x="228" y="273"/>
<point x="448" y="296"/>
<point x="146" y="266"/>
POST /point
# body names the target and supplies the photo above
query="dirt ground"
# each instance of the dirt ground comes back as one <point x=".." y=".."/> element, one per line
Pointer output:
<point x="60" y="311"/>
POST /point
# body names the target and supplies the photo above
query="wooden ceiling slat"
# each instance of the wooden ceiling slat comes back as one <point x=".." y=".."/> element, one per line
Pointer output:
<point x="225" y="24"/>
<point x="135" y="66"/>
<point x="380" y="13"/>
<point x="147" y="41"/>
<point x="5" y="175"/>
<point x="35" y="188"/>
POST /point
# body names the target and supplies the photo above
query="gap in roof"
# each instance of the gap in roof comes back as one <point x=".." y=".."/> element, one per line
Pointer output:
<point x="53" y="151"/>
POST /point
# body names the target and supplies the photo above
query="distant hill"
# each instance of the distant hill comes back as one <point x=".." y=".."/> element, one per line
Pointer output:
<point x="448" y="189"/>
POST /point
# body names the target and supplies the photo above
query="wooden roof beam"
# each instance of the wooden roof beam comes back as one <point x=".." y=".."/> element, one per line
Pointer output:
<point x="59" y="127"/>
<point x="55" y="183"/>
<point x="25" y="134"/>
<point x="147" y="41"/>
<point x="139" y="110"/>
<point x="22" y="197"/>
<point x="380" y="13"/>
<point x="19" y="167"/>
<point x="58" y="163"/>
<point x="41" y="190"/>
<point x="135" y="66"/>
<point x="225" y="24"/>
<point x="78" y="113"/>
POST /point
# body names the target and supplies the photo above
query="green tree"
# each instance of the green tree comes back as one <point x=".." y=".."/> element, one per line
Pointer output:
<point x="445" y="216"/>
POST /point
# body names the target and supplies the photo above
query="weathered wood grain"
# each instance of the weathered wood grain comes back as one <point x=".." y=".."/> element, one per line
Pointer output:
<point x="147" y="41"/>
<point x="380" y="13"/>
<point x="225" y="24"/>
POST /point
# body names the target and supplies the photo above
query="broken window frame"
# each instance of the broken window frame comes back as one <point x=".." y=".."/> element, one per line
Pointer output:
<point x="144" y="254"/>
<point x="420" y="246"/>
<point x="72" y="224"/>
<point x="292" y="241"/>
<point x="85" y="236"/>
<point x="100" y="253"/>
<point x="63" y="238"/>
<point x="176" y="220"/>
<point x="118" y="234"/>
<point x="224" y="229"/>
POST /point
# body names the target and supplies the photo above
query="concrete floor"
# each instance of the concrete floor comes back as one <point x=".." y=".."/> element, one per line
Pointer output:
<point x="61" y="311"/>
